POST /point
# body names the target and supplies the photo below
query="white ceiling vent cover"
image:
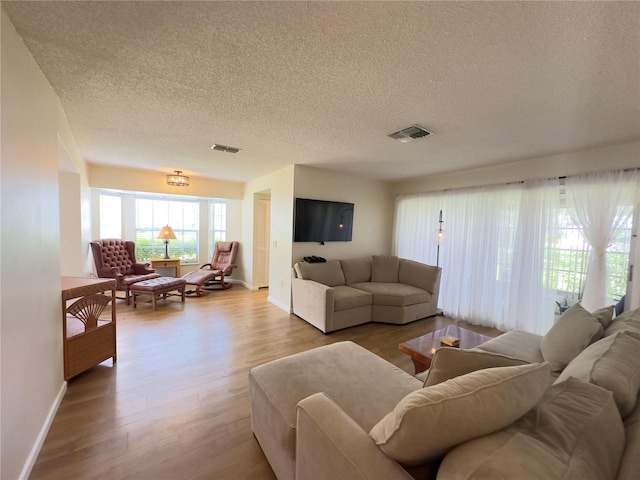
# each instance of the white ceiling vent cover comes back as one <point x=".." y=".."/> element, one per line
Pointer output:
<point x="224" y="148"/>
<point x="407" y="134"/>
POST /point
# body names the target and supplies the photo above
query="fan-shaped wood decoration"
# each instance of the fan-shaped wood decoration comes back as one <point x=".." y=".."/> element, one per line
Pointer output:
<point x="89" y="308"/>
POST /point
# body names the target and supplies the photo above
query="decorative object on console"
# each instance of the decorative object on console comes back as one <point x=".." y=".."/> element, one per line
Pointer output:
<point x="450" y="341"/>
<point x="177" y="179"/>
<point x="166" y="234"/>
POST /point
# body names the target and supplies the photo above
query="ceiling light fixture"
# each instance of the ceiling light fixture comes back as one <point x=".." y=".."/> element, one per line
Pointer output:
<point x="177" y="179"/>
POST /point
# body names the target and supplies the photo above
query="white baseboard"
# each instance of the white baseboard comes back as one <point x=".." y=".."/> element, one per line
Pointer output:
<point x="278" y="304"/>
<point x="35" y="450"/>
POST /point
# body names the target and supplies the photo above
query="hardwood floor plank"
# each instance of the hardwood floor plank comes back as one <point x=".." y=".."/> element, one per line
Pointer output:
<point x="176" y="404"/>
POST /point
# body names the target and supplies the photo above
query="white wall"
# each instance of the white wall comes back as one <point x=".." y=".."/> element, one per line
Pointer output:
<point x="136" y="180"/>
<point x="373" y="213"/>
<point x="30" y="323"/>
<point x="615" y="157"/>
<point x="280" y="186"/>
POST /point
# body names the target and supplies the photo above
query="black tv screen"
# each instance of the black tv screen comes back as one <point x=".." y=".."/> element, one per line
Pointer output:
<point x="322" y="221"/>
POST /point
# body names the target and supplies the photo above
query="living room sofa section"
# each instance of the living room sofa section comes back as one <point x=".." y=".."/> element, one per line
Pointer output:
<point x="343" y="293"/>
<point x="340" y="411"/>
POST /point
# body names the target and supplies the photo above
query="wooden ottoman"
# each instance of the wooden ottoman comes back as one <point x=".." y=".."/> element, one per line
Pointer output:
<point x="157" y="287"/>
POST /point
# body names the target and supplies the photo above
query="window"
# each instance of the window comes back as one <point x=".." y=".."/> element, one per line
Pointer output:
<point x="110" y="216"/>
<point x="218" y="211"/>
<point x="568" y="254"/>
<point x="181" y="215"/>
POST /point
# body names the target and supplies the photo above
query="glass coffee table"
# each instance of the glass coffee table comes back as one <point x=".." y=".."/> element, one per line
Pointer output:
<point x="422" y="349"/>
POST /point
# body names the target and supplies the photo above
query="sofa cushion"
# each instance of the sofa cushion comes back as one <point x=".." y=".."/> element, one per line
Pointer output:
<point x="384" y="268"/>
<point x="573" y="332"/>
<point x="515" y="344"/>
<point x="327" y="273"/>
<point x="575" y="432"/>
<point x="346" y="298"/>
<point x="449" y="362"/>
<point x="418" y="274"/>
<point x="604" y="315"/>
<point x="393" y="294"/>
<point x="428" y="422"/>
<point x="612" y="363"/>
<point x="356" y="270"/>
<point x="627" y="321"/>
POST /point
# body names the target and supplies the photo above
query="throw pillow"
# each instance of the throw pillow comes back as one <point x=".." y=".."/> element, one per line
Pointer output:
<point x="573" y="332"/>
<point x="604" y="315"/>
<point x="384" y="269"/>
<point x="427" y="423"/>
<point x="575" y="432"/>
<point x="612" y="363"/>
<point x="451" y="362"/>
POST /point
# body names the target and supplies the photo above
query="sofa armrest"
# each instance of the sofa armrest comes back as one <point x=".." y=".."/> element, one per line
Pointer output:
<point x="420" y="275"/>
<point x="330" y="444"/>
<point x="314" y="302"/>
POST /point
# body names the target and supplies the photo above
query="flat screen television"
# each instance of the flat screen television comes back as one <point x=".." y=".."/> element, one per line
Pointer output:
<point x="322" y="221"/>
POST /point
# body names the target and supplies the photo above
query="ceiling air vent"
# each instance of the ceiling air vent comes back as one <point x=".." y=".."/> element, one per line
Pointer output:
<point x="224" y="148"/>
<point x="407" y="134"/>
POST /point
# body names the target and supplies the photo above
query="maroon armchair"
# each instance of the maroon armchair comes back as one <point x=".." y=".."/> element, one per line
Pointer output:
<point x="115" y="258"/>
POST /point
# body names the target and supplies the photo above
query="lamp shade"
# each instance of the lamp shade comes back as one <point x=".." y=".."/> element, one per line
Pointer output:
<point x="166" y="233"/>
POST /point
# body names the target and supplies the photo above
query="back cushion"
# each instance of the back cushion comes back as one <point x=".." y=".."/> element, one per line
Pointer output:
<point x="612" y="363"/>
<point x="627" y="321"/>
<point x="418" y="274"/>
<point x="329" y="273"/>
<point x="574" y="432"/>
<point x="384" y="269"/>
<point x="573" y="332"/>
<point x="356" y="270"/>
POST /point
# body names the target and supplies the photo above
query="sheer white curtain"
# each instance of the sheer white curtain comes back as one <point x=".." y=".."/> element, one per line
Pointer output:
<point x="497" y="251"/>
<point x="602" y="203"/>
<point x="492" y="253"/>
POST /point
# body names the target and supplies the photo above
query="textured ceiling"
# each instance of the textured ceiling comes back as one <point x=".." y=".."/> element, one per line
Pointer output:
<point x="154" y="84"/>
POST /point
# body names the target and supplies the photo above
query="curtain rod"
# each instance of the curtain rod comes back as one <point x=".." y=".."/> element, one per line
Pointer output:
<point x="516" y="182"/>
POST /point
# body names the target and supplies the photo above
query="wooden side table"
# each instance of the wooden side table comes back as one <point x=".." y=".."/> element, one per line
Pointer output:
<point x="166" y="263"/>
<point x="95" y="339"/>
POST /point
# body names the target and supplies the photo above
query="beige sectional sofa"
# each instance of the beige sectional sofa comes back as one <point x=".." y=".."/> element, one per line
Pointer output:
<point x="343" y="293"/>
<point x="560" y="406"/>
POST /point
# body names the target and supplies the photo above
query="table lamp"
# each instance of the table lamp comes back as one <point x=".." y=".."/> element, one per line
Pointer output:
<point x="166" y="234"/>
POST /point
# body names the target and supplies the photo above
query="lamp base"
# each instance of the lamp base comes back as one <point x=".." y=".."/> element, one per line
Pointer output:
<point x="166" y="249"/>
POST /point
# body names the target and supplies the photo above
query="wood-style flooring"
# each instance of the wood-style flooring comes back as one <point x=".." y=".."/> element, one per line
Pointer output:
<point x="176" y="404"/>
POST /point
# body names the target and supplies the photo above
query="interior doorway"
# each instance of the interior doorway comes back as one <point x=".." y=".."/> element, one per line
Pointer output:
<point x="261" y="238"/>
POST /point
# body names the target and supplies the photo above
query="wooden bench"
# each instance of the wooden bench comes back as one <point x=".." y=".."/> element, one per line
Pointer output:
<point x="157" y="287"/>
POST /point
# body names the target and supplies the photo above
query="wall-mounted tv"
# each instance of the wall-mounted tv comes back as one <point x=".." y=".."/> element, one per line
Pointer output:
<point x="322" y="221"/>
